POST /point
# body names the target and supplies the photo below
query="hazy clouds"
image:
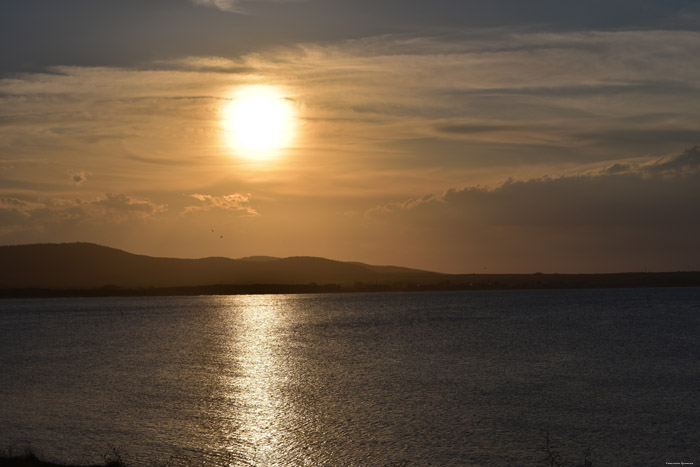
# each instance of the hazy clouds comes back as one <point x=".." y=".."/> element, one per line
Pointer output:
<point x="232" y="202"/>
<point x="46" y="214"/>
<point x="471" y="135"/>
<point x="597" y="221"/>
<point x="467" y="107"/>
<point x="235" y="6"/>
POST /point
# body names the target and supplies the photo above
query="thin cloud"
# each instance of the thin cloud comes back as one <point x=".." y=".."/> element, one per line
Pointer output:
<point x="211" y="64"/>
<point x="235" y="6"/>
<point x="575" y="93"/>
<point x="121" y="207"/>
<point x="40" y="214"/>
<point x="20" y="206"/>
<point x="225" y="5"/>
<point x="232" y="202"/>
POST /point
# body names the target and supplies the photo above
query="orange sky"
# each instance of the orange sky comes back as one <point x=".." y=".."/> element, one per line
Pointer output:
<point x="457" y="148"/>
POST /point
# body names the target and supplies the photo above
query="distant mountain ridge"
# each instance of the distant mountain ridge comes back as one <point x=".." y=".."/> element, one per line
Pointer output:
<point x="87" y="269"/>
<point x="88" y="265"/>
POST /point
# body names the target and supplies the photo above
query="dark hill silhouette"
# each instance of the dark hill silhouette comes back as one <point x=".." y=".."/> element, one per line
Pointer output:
<point x="86" y="265"/>
<point x="74" y="269"/>
<point x="392" y="269"/>
<point x="259" y="258"/>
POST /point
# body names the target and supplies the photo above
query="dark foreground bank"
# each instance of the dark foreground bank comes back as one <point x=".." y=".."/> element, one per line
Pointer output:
<point x="551" y="457"/>
<point x="27" y="458"/>
<point x="31" y="460"/>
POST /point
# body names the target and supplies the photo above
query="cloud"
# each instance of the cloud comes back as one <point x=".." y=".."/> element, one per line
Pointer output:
<point x="14" y="214"/>
<point x="618" y="167"/>
<point x="41" y="214"/>
<point x="684" y="164"/>
<point x="687" y="163"/>
<point x="593" y="93"/>
<point x="20" y="206"/>
<point x="626" y="194"/>
<point x="232" y="202"/>
<point x="220" y="64"/>
<point x="235" y="6"/>
<point x="225" y="5"/>
<point x="558" y="98"/>
<point x="613" y="220"/>
<point x="506" y="103"/>
<point x="79" y="177"/>
<point x="121" y="207"/>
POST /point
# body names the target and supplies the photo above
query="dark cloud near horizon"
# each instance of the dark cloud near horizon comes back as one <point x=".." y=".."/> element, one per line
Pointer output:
<point x="595" y="222"/>
<point x="687" y="163"/>
<point x="38" y="34"/>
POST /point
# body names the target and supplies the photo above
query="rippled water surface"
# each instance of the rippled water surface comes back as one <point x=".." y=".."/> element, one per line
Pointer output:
<point x="474" y="378"/>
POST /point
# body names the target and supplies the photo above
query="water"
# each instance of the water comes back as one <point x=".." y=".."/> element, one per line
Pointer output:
<point x="473" y="378"/>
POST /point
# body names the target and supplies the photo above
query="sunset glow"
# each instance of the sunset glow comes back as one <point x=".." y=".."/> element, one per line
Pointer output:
<point x="469" y="136"/>
<point x="364" y="233"/>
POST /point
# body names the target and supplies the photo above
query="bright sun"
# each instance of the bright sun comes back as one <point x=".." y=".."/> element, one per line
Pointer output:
<point x="259" y="122"/>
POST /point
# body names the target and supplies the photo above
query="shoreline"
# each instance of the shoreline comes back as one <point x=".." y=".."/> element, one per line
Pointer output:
<point x="465" y="282"/>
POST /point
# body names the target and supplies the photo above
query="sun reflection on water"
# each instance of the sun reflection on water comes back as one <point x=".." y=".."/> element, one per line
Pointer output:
<point x="253" y="384"/>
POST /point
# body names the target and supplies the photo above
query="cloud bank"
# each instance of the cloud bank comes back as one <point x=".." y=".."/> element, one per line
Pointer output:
<point x="598" y="221"/>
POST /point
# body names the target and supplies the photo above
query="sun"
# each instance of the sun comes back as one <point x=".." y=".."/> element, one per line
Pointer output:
<point x="259" y="122"/>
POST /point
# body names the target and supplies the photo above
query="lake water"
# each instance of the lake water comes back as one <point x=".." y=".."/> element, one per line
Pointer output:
<point x="472" y="378"/>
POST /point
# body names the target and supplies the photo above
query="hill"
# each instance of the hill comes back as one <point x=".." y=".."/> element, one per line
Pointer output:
<point x="78" y="269"/>
<point x="87" y="266"/>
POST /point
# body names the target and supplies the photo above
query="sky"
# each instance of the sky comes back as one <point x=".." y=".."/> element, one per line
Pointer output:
<point x="457" y="136"/>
